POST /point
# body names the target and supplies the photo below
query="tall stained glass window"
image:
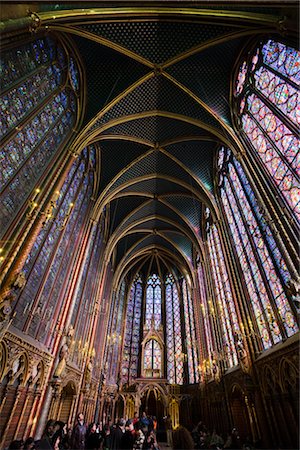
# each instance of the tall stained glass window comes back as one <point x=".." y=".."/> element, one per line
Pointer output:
<point x="51" y="257"/>
<point x="207" y="325"/>
<point x="262" y="263"/>
<point x="38" y="108"/>
<point x="190" y="334"/>
<point x="132" y="331"/>
<point x="153" y="302"/>
<point x="114" y="339"/>
<point x="267" y="91"/>
<point x="225" y="305"/>
<point x="152" y="359"/>
<point x="173" y="333"/>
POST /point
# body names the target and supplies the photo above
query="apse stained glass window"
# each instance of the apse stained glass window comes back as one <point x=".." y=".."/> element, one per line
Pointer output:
<point x="224" y="300"/>
<point x="132" y="331"/>
<point x="173" y="333"/>
<point x="152" y="359"/>
<point x="261" y="261"/>
<point x="267" y="90"/>
<point x="52" y="253"/>
<point x="38" y="109"/>
<point x="153" y="302"/>
<point x="190" y="334"/>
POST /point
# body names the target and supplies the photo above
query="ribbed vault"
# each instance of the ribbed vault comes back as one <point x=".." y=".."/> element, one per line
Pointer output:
<point x="158" y="109"/>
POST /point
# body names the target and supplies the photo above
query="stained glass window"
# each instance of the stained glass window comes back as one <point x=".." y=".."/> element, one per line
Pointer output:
<point x="224" y="299"/>
<point x="190" y="334"/>
<point x="114" y="339"/>
<point x="173" y="333"/>
<point x="50" y="258"/>
<point x="207" y="326"/>
<point x="267" y="91"/>
<point x="153" y="302"/>
<point x="38" y="109"/>
<point x="132" y="331"/>
<point x="262" y="263"/>
<point x="152" y="359"/>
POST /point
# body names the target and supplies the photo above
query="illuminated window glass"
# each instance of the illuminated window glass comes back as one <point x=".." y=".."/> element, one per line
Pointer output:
<point x="153" y="302"/>
<point x="224" y="299"/>
<point x="173" y="333"/>
<point x="47" y="263"/>
<point x="190" y="335"/>
<point x="38" y="109"/>
<point x="132" y="332"/>
<point x="152" y="359"/>
<point x="114" y="339"/>
<point x="208" y="335"/>
<point x="267" y="91"/>
<point x="262" y="264"/>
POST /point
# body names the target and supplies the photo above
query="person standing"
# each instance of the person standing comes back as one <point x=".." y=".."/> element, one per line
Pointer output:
<point x="169" y="430"/>
<point x="117" y="435"/>
<point x="79" y="433"/>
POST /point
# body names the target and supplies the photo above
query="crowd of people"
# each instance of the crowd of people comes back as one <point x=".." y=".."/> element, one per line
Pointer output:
<point x="138" y="433"/>
<point x="132" y="434"/>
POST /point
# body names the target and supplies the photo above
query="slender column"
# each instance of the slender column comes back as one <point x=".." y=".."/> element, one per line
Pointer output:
<point x="72" y="410"/>
<point x="60" y="404"/>
<point x="20" y="420"/>
<point x="7" y="426"/>
<point x="3" y="401"/>
<point x="37" y="396"/>
<point x="44" y="412"/>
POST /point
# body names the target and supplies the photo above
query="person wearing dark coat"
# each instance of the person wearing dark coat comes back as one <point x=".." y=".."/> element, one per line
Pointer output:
<point x="93" y="440"/>
<point x="79" y="434"/>
<point x="128" y="437"/>
<point x="117" y="434"/>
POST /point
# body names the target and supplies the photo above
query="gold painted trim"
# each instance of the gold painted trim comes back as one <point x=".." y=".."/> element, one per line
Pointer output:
<point x="125" y="137"/>
<point x="192" y="174"/>
<point x="92" y="137"/>
<point x="117" y="236"/>
<point x="103" y="41"/>
<point x="106" y="108"/>
<point x="208" y="109"/>
<point x="104" y="200"/>
<point x="145" y="251"/>
<point x="213" y="42"/>
<point x="50" y="16"/>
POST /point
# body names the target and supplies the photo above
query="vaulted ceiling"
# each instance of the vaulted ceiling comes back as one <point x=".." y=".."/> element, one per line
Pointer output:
<point x="158" y="95"/>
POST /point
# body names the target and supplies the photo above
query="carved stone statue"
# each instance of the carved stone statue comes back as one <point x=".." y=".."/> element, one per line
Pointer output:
<point x="64" y="354"/>
<point x="242" y="353"/>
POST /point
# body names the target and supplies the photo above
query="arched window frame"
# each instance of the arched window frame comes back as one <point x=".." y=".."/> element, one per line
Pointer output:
<point x="251" y="246"/>
<point x="50" y="259"/>
<point x="153" y="303"/>
<point x="190" y="334"/>
<point x="173" y="332"/>
<point x="226" y="309"/>
<point x="27" y="169"/>
<point x="272" y="139"/>
<point x="129" y="369"/>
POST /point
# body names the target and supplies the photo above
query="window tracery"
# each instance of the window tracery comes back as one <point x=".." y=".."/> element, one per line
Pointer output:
<point x="47" y="263"/>
<point x="225" y="304"/>
<point x="263" y="267"/>
<point x="267" y="92"/>
<point x="38" y="109"/>
<point x="173" y="333"/>
<point x="190" y="334"/>
<point x="132" y="331"/>
<point x="153" y="302"/>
